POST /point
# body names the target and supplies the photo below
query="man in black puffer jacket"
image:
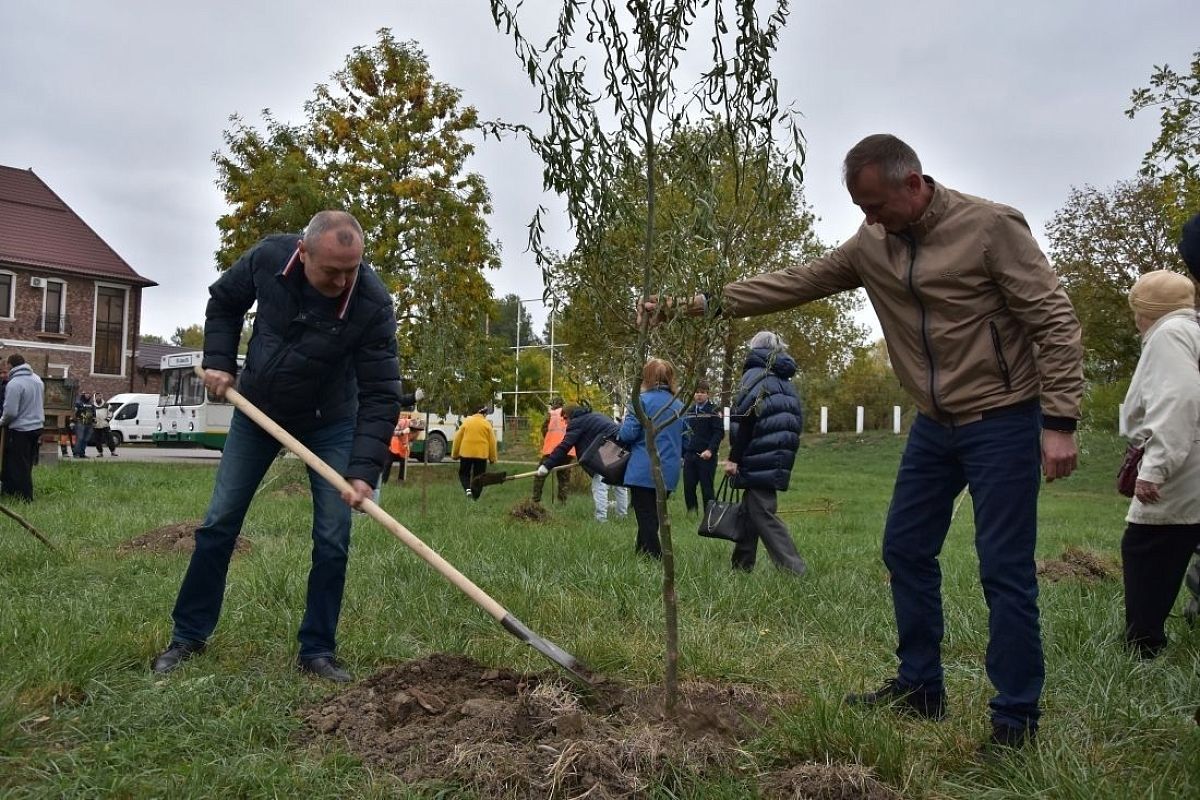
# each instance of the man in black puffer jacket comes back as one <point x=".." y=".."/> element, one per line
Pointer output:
<point x="766" y="423"/>
<point x="322" y="363"/>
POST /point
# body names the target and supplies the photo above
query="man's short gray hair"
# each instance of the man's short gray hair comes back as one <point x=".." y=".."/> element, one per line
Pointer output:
<point x="323" y="222"/>
<point x="767" y="339"/>
<point x="894" y="158"/>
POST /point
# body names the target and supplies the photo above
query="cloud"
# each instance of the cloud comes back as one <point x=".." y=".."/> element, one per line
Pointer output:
<point x="119" y="106"/>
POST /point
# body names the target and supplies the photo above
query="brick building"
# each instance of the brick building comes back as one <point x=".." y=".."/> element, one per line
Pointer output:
<point x="68" y="302"/>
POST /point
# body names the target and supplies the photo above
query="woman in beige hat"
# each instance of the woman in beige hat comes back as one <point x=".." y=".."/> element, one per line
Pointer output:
<point x="1162" y="413"/>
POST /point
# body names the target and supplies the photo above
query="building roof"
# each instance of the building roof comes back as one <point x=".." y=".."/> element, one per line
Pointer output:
<point x="149" y="356"/>
<point x="39" y="230"/>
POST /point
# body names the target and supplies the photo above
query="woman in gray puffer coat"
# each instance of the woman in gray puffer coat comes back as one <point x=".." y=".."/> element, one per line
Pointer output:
<point x="766" y="423"/>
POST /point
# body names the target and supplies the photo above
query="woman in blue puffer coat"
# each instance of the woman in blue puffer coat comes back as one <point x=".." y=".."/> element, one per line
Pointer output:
<point x="657" y="399"/>
<point x="766" y="422"/>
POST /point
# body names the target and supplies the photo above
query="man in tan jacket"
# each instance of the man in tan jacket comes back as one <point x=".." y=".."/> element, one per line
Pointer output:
<point x="984" y="339"/>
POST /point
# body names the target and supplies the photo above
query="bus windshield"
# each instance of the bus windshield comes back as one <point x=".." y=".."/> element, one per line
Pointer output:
<point x="181" y="387"/>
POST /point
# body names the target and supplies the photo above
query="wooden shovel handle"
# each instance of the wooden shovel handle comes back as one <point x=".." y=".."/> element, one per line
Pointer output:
<point x="447" y="570"/>
<point x="531" y="474"/>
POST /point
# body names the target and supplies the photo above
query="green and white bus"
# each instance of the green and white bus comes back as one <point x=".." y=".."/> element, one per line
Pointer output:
<point x="186" y="415"/>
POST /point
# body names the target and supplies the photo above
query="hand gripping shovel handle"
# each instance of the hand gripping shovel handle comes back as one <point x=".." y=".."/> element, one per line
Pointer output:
<point x="510" y="623"/>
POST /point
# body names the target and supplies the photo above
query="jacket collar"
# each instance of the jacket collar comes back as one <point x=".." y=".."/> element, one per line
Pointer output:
<point x="777" y="362"/>
<point x="933" y="212"/>
<point x="1180" y="313"/>
<point x="294" y="270"/>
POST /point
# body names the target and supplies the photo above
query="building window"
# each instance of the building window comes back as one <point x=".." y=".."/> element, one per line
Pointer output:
<point x="110" y="329"/>
<point x="54" y="319"/>
<point x="7" y="281"/>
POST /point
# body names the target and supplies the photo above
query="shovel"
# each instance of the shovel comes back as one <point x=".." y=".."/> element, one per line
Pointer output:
<point x="510" y="623"/>
<point x="490" y="478"/>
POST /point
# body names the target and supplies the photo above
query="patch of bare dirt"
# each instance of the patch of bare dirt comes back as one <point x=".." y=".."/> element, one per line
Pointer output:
<point x="1081" y="565"/>
<point x="812" y="781"/>
<point x="293" y="489"/>
<point x="448" y="720"/>
<point x="529" y="511"/>
<point x="177" y="538"/>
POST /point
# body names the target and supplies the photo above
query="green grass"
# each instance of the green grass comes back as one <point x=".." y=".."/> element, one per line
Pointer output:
<point x="81" y="715"/>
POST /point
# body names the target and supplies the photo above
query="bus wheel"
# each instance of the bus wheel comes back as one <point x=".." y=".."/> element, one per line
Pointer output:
<point x="435" y="448"/>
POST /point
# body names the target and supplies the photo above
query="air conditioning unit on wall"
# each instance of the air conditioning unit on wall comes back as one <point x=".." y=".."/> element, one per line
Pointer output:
<point x="37" y="283"/>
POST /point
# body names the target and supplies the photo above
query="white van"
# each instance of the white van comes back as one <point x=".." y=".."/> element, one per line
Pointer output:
<point x="131" y="417"/>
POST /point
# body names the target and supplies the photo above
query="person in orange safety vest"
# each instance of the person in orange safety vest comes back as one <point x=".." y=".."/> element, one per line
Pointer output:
<point x="401" y="447"/>
<point x="553" y="431"/>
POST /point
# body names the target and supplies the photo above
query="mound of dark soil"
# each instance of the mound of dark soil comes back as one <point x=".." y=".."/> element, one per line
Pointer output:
<point x="529" y="511"/>
<point x="445" y="719"/>
<point x="1081" y="565"/>
<point x="177" y="538"/>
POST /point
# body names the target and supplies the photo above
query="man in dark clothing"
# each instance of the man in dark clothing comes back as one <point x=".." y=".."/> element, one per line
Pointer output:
<point x="702" y="435"/>
<point x="23" y="416"/>
<point x="1189" y="251"/>
<point x="766" y="422"/>
<point x="83" y="421"/>
<point x="1189" y="246"/>
<point x="321" y="363"/>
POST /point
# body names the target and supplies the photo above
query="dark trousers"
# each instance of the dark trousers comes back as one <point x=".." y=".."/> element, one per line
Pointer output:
<point x="758" y="520"/>
<point x="562" y="477"/>
<point x="999" y="459"/>
<point x="401" y="473"/>
<point x="104" y="438"/>
<point x="698" y="471"/>
<point x="20" y="454"/>
<point x="645" y="510"/>
<point x="1154" y="559"/>
<point x="468" y="468"/>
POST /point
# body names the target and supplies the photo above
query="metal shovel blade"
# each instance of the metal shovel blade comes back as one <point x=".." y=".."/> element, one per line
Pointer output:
<point x="487" y="479"/>
<point x="550" y="650"/>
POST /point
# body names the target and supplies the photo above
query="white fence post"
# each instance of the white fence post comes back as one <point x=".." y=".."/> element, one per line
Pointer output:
<point x="895" y="419"/>
<point x="824" y="419"/>
<point x="858" y="419"/>
<point x="1121" y="419"/>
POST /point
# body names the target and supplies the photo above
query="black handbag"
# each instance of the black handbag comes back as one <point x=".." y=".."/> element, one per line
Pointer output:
<point x="607" y="458"/>
<point x="722" y="517"/>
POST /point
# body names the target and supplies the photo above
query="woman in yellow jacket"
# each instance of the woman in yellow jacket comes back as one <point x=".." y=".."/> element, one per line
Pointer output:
<point x="474" y="447"/>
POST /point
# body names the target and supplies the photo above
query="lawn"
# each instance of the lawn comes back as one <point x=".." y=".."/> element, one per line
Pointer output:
<point x="82" y="716"/>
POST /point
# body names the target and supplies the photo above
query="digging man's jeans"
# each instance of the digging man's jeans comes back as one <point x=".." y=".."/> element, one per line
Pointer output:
<point x="999" y="459"/>
<point x="249" y="452"/>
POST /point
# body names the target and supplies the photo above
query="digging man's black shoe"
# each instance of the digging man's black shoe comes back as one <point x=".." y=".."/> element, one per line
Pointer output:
<point x="175" y="654"/>
<point x="906" y="699"/>
<point x="1005" y="740"/>
<point x="324" y="667"/>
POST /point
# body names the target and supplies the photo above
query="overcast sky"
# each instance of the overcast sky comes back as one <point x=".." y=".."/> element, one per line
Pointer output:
<point x="119" y="105"/>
